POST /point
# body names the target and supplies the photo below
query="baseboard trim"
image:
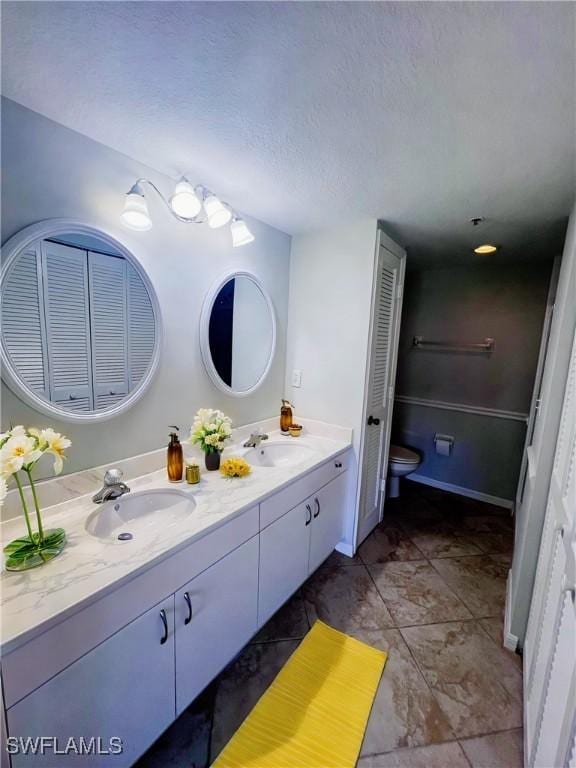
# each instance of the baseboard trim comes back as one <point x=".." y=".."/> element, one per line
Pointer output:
<point x="345" y="548"/>
<point x="469" y="492"/>
<point x="510" y="641"/>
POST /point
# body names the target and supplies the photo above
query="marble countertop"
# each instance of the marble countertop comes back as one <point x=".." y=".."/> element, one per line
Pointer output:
<point x="89" y="567"/>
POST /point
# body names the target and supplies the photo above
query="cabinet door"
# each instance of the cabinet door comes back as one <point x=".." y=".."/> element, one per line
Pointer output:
<point x="328" y="506"/>
<point x="284" y="549"/>
<point x="215" y="617"/>
<point x="122" y="689"/>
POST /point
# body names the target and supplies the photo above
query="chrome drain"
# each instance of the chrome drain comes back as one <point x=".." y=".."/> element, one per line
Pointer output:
<point x="125" y="536"/>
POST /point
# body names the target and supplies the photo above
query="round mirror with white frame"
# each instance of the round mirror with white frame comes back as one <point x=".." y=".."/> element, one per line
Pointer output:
<point x="81" y="328"/>
<point x="238" y="333"/>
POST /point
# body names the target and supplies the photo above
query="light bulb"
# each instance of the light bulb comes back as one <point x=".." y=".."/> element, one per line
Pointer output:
<point x="135" y="214"/>
<point x="217" y="213"/>
<point x="241" y="235"/>
<point x="184" y="201"/>
<point x="487" y="248"/>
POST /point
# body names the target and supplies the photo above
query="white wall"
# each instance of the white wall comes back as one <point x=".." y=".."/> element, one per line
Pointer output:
<point x="468" y="304"/>
<point x="50" y="171"/>
<point x="331" y="274"/>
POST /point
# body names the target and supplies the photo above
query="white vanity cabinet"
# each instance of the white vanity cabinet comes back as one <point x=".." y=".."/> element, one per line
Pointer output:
<point x="326" y="530"/>
<point x="216" y="615"/>
<point x="298" y="541"/>
<point x="123" y="688"/>
<point x="284" y="548"/>
<point x="119" y="668"/>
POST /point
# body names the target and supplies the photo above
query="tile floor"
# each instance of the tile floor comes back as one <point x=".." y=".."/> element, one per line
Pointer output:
<point x="428" y="586"/>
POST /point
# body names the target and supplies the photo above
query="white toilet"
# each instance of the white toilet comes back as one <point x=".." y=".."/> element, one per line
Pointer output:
<point x="401" y="462"/>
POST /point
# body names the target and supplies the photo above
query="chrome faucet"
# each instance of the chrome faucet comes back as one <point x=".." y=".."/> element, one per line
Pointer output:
<point x="255" y="439"/>
<point x="113" y="487"/>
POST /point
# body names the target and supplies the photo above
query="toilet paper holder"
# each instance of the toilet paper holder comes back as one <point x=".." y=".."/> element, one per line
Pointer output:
<point x="443" y="444"/>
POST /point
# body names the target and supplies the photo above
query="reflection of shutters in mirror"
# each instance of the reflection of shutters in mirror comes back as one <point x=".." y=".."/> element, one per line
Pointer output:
<point x="108" y="321"/>
<point x="141" y="328"/>
<point x="65" y="273"/>
<point x="23" y="321"/>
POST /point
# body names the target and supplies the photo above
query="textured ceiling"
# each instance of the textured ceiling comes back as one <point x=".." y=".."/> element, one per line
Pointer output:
<point x="307" y="114"/>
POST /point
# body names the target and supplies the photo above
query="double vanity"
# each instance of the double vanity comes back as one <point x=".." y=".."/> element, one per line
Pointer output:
<point x="158" y="590"/>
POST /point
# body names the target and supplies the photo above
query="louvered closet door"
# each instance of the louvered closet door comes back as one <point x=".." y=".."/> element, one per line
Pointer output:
<point x="380" y="388"/>
<point x="23" y="326"/>
<point x="550" y="647"/>
<point x="141" y="329"/>
<point x="108" y="280"/>
<point x="65" y="274"/>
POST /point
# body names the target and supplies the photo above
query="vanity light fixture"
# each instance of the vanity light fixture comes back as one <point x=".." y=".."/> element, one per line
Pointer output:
<point x="189" y="204"/>
<point x="241" y="235"/>
<point x="486" y="248"/>
<point x="184" y="201"/>
<point x="216" y="211"/>
<point x="135" y="214"/>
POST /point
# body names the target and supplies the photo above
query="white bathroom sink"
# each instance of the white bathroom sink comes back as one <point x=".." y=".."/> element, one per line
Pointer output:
<point x="278" y="454"/>
<point x="139" y="514"/>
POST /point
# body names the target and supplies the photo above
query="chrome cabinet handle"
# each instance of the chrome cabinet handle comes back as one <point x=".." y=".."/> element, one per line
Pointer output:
<point x="165" y="624"/>
<point x="372" y="420"/>
<point x="309" y="518"/>
<point x="338" y="464"/>
<point x="188" y="602"/>
<point x="317" y="507"/>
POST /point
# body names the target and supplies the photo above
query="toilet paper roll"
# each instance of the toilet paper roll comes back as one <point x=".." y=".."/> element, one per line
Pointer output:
<point x="443" y="447"/>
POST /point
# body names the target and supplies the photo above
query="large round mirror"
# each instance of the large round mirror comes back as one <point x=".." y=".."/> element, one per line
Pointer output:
<point x="238" y="333"/>
<point x="81" y="326"/>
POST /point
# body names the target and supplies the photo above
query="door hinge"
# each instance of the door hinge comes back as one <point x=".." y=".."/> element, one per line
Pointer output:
<point x="399" y="292"/>
<point x="382" y="483"/>
<point x="390" y="393"/>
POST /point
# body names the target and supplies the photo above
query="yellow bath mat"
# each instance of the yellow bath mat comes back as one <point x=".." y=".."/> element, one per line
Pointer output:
<point x="315" y="712"/>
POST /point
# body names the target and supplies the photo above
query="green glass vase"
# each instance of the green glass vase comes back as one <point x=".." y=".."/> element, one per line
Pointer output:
<point x="30" y="552"/>
<point x="37" y="548"/>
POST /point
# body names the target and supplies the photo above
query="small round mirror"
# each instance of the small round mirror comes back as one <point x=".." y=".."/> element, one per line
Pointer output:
<point x="80" y="322"/>
<point x="238" y="334"/>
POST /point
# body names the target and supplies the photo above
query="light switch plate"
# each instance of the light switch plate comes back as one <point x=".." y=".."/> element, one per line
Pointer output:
<point x="296" y="378"/>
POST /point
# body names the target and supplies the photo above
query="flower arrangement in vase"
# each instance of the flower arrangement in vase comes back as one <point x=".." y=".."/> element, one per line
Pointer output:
<point x="20" y="450"/>
<point x="210" y="431"/>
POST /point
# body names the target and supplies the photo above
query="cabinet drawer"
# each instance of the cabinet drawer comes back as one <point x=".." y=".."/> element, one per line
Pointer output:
<point x="36" y="661"/>
<point x="275" y="506"/>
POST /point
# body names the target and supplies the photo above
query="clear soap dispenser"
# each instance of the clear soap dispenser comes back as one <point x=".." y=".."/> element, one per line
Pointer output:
<point x="175" y="461"/>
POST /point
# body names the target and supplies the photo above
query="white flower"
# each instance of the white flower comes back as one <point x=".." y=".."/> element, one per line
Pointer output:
<point x="3" y="490"/>
<point x="19" y="451"/>
<point x="56" y="444"/>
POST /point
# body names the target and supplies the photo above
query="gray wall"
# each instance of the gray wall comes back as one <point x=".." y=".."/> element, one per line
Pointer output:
<point x="469" y="304"/>
<point x="50" y="171"/>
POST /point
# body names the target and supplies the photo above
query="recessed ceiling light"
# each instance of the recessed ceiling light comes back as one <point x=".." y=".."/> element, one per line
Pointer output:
<point x="486" y="248"/>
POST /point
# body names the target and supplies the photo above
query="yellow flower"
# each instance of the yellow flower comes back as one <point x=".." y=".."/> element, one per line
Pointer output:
<point x="235" y="467"/>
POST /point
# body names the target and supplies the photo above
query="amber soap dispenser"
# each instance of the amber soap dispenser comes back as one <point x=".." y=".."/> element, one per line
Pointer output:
<point x="285" y="416"/>
<point x="175" y="463"/>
